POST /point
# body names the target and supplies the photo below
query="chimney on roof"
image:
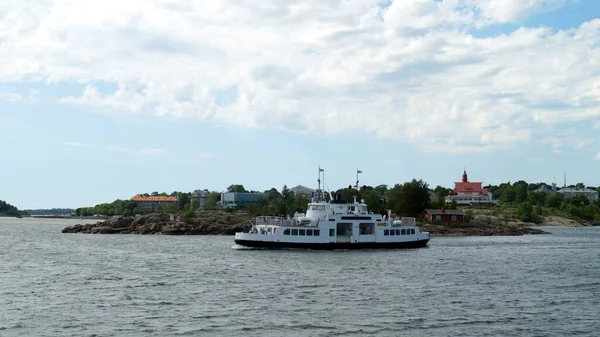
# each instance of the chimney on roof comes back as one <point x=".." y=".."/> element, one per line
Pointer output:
<point x="443" y="210"/>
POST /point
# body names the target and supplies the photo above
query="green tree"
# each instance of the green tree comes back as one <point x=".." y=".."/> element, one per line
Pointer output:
<point x="442" y="192"/>
<point x="374" y="201"/>
<point x="554" y="201"/>
<point x="213" y="198"/>
<point x="538" y="198"/>
<point x="189" y="214"/>
<point x="525" y="212"/>
<point x="381" y="189"/>
<point x="7" y="209"/>
<point x="236" y="188"/>
<point x="509" y="195"/>
<point x="468" y="216"/>
<point x="408" y="199"/>
<point x="521" y="192"/>
<point x="453" y="205"/>
<point x="183" y="200"/>
<point x="170" y="208"/>
<point x="299" y="204"/>
<point x="273" y="194"/>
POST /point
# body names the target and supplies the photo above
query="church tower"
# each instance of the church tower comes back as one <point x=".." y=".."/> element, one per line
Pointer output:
<point x="465" y="180"/>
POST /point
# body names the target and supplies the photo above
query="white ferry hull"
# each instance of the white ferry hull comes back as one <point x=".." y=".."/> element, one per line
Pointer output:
<point x="332" y="245"/>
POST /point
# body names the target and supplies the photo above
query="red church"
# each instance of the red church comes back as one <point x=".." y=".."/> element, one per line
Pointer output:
<point x="470" y="193"/>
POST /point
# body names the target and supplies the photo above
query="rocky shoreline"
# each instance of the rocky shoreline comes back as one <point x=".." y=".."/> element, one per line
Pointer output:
<point x="217" y="223"/>
<point x="227" y="223"/>
<point x="514" y="229"/>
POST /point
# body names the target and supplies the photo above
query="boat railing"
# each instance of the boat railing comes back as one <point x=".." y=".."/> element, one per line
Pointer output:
<point x="282" y="221"/>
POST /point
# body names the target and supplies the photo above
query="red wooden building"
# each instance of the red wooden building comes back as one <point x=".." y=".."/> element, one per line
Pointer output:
<point x="444" y="215"/>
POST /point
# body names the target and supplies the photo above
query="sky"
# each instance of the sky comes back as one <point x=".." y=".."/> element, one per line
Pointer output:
<point x="103" y="100"/>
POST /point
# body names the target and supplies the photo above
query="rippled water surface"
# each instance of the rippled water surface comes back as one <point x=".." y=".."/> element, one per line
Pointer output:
<point x="54" y="284"/>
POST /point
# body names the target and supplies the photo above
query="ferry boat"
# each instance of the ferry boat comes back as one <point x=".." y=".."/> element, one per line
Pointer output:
<point x="334" y="224"/>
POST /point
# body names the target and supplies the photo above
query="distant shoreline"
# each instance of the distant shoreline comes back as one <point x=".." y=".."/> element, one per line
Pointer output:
<point x="74" y="217"/>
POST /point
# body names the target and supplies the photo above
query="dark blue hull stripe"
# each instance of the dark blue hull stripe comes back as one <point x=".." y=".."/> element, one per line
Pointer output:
<point x="361" y="245"/>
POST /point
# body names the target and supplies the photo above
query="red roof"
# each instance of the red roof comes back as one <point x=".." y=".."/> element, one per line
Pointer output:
<point x="139" y="197"/>
<point x="469" y="187"/>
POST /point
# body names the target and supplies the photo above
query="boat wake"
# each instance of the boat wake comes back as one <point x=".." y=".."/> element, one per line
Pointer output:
<point x="240" y="247"/>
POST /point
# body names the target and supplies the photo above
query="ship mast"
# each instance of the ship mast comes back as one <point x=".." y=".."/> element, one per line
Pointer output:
<point x="319" y="183"/>
<point x="357" y="172"/>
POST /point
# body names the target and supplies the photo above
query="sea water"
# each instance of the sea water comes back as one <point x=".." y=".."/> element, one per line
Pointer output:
<point x="54" y="284"/>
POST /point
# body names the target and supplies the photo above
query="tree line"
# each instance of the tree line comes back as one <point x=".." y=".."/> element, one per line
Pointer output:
<point x="52" y="211"/>
<point x="7" y="209"/>
<point x="407" y="199"/>
<point x="532" y="204"/>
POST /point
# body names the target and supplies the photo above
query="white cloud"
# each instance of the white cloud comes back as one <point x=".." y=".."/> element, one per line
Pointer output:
<point x="73" y="144"/>
<point x="14" y="97"/>
<point x="409" y="72"/>
<point x="504" y="11"/>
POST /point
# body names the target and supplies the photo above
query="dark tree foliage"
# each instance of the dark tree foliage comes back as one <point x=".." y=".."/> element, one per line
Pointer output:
<point x="7" y="209"/>
<point x="117" y="207"/>
<point x="53" y="211"/>
<point x="408" y="199"/>
<point x="236" y="188"/>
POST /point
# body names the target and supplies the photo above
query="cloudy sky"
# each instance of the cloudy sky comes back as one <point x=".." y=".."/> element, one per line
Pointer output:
<point x="100" y="100"/>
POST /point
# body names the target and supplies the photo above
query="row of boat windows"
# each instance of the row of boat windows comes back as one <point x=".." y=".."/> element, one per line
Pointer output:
<point x="407" y="231"/>
<point x="307" y="232"/>
<point x="317" y="232"/>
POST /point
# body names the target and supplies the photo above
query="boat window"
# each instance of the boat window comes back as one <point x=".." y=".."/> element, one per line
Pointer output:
<point x="403" y="232"/>
<point x="302" y="232"/>
<point x="331" y="231"/>
<point x="322" y="208"/>
<point x="397" y="232"/>
<point x="294" y="232"/>
<point x="286" y="232"/>
<point x="386" y="232"/>
<point x="392" y="232"/>
<point x="317" y="232"/>
<point x="366" y="228"/>
<point x="309" y="232"/>
<point x="412" y="231"/>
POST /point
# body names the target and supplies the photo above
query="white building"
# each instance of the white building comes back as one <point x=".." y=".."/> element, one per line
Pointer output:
<point x="569" y="192"/>
<point x="201" y="196"/>
<point x="303" y="190"/>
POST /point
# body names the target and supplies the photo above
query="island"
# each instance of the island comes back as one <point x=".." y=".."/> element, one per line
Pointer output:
<point x="516" y="209"/>
<point x="204" y="223"/>
<point x="228" y="223"/>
